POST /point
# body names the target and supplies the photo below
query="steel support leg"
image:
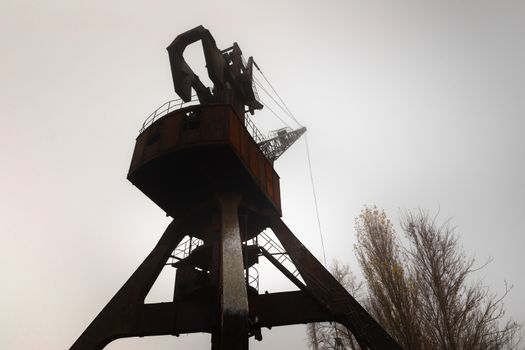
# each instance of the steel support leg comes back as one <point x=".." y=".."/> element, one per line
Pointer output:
<point x="331" y="294"/>
<point x="233" y="294"/>
<point x="126" y="315"/>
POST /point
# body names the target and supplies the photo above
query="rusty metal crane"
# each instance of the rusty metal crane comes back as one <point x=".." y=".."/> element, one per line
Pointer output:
<point x="208" y="168"/>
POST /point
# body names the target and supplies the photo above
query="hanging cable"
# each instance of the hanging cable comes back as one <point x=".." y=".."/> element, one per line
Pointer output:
<point x="315" y="197"/>
<point x="278" y="117"/>
<point x="280" y="104"/>
<point x="287" y="111"/>
<point x="278" y="96"/>
<point x="273" y="99"/>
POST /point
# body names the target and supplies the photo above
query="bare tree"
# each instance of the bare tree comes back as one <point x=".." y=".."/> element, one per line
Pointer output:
<point x="423" y="291"/>
<point x="455" y="312"/>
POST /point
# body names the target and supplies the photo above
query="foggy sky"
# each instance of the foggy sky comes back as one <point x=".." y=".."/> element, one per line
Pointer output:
<point x="408" y="104"/>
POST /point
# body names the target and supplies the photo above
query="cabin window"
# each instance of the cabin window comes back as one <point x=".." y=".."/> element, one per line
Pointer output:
<point x="192" y="121"/>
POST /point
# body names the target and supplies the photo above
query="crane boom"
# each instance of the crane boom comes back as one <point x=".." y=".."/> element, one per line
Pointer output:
<point x="279" y="141"/>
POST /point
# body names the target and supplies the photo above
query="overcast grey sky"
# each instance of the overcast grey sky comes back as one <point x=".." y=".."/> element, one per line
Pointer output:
<point x="409" y="104"/>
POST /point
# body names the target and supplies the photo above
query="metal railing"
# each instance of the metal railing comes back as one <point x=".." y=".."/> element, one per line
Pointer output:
<point x="274" y="248"/>
<point x="173" y="105"/>
<point x="185" y="247"/>
<point x="252" y="129"/>
<point x="189" y="244"/>
<point x="167" y="107"/>
<point x="253" y="277"/>
<point x="177" y="104"/>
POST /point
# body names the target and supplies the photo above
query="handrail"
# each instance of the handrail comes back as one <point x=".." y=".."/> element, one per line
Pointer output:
<point x="185" y="247"/>
<point x="274" y="248"/>
<point x="167" y="107"/>
<point x="252" y="277"/>
<point x="172" y="105"/>
<point x="252" y="129"/>
<point x="177" y="104"/>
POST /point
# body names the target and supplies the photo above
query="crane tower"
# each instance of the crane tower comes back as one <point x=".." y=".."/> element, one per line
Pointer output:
<point x="208" y="168"/>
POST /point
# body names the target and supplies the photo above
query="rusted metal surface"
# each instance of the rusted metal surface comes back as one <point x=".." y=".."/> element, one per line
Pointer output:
<point x="331" y="294"/>
<point x="287" y="308"/>
<point x="186" y="156"/>
<point x="213" y="297"/>
<point x="125" y="315"/>
<point x="231" y="77"/>
<point x="283" y="269"/>
<point x="202" y="166"/>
